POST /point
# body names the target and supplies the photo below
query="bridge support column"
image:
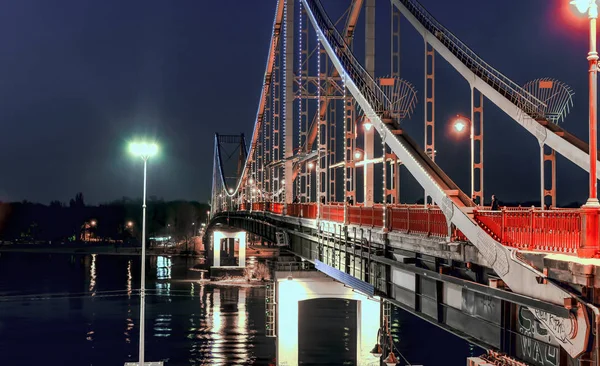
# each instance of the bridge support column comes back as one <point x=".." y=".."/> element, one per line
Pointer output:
<point x="218" y="236"/>
<point x="296" y="287"/>
<point x="590" y="223"/>
<point x="242" y="237"/>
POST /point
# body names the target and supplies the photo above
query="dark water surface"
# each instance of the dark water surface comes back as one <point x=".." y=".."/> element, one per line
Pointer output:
<point x="92" y="317"/>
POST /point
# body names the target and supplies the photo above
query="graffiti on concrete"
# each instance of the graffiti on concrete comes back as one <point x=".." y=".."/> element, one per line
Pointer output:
<point x="556" y="324"/>
<point x="535" y="344"/>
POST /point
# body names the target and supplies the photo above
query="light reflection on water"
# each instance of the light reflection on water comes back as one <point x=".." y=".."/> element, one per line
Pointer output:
<point x="92" y="288"/>
<point x="188" y="323"/>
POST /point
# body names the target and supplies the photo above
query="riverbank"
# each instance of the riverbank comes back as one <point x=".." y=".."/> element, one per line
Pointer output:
<point x="255" y="251"/>
<point x="90" y="250"/>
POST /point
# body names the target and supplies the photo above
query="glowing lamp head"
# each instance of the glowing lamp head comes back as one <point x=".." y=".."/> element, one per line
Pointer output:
<point x="357" y="155"/>
<point x="93" y="222"/>
<point x="311" y="165"/>
<point x="143" y="149"/>
<point x="367" y="125"/>
<point x="251" y="181"/>
<point x="584" y="5"/>
<point x="459" y="125"/>
<point x="230" y="190"/>
<point x="129" y="223"/>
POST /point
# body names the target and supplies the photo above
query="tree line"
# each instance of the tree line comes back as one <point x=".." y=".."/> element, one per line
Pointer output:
<point x="120" y="220"/>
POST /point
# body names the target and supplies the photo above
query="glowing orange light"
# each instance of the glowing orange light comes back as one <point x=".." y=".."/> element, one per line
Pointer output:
<point x="567" y="20"/>
<point x="459" y="125"/>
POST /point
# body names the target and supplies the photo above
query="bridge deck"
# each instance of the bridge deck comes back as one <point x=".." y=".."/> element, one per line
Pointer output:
<point x="532" y="229"/>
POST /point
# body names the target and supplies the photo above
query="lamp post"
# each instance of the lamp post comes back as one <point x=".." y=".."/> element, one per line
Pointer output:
<point x="144" y="150"/>
<point x="591" y="209"/>
<point x="230" y="196"/>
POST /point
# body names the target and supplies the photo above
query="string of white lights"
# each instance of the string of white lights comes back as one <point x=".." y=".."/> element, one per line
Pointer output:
<point x="259" y="120"/>
<point x="284" y="98"/>
<point x="318" y="167"/>
<point x="273" y="113"/>
<point x="300" y="11"/>
<point x="345" y="141"/>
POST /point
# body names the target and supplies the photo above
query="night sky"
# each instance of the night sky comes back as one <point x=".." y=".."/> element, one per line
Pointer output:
<point x="80" y="78"/>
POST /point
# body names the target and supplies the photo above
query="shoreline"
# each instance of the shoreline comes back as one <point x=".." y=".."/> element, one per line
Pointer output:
<point x="255" y="252"/>
<point x="95" y="250"/>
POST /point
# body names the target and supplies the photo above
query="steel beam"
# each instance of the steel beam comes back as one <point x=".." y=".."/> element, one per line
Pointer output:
<point x="429" y="105"/>
<point x="477" y="145"/>
<point x="288" y="112"/>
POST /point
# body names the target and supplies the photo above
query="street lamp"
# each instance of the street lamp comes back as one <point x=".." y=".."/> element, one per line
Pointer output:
<point x="591" y="209"/>
<point x="143" y="150"/>
<point x="591" y="8"/>
<point x="358" y="154"/>
<point x="459" y="125"/>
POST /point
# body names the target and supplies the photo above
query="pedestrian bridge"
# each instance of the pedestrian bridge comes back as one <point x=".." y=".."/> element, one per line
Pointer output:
<point x="312" y="152"/>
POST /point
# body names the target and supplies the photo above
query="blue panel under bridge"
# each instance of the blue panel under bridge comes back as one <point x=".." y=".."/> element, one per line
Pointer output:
<point x="345" y="278"/>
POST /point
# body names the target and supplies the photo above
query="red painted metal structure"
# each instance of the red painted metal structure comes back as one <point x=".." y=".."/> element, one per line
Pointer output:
<point x="557" y="230"/>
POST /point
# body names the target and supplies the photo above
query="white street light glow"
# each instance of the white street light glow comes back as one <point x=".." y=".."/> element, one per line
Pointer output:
<point x="143" y="149"/>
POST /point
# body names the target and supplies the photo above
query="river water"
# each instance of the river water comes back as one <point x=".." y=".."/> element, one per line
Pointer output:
<point x="63" y="309"/>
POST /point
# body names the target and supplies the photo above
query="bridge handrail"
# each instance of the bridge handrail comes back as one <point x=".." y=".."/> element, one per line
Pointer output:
<point x="534" y="229"/>
<point x="512" y="91"/>
<point x="554" y="230"/>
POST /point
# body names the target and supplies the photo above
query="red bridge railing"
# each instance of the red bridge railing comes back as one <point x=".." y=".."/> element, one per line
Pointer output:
<point x="556" y="230"/>
<point x="540" y="230"/>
